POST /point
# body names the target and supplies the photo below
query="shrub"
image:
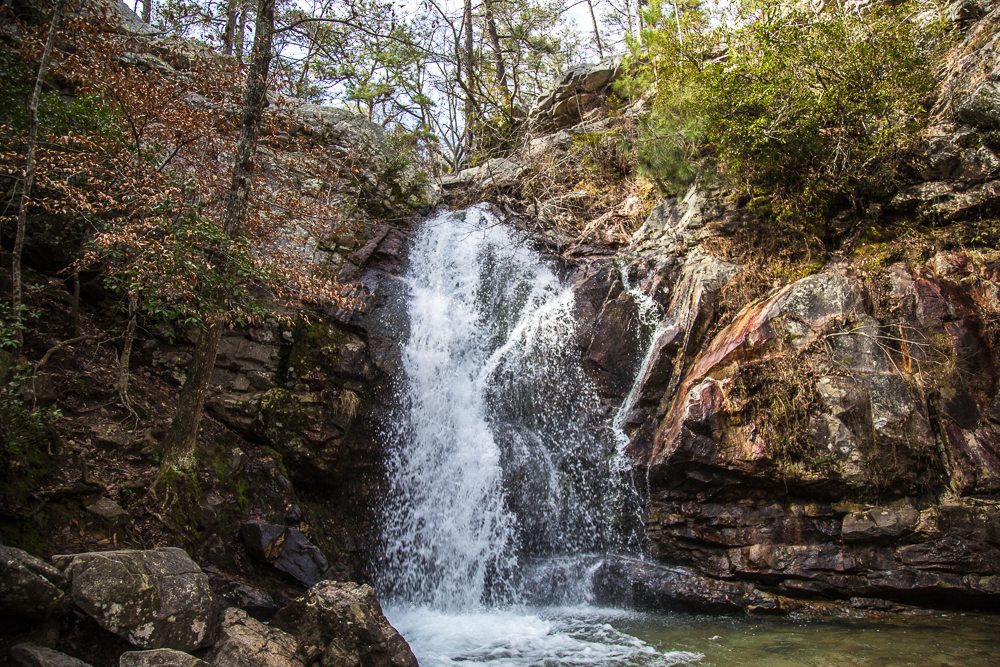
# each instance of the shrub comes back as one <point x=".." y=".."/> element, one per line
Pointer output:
<point x="808" y="112"/>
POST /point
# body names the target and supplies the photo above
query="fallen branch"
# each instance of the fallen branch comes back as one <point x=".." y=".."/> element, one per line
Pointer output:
<point x="60" y="345"/>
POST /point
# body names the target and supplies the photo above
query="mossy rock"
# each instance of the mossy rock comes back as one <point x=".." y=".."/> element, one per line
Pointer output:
<point x="323" y="351"/>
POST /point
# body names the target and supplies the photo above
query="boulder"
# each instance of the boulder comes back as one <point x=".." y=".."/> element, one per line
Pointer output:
<point x="246" y="642"/>
<point x="158" y="598"/>
<point x="30" y="655"/>
<point x="237" y="593"/>
<point x="286" y="549"/>
<point x="29" y="587"/>
<point x="161" y="657"/>
<point x="344" y="622"/>
<point x="107" y="509"/>
<point x="576" y="92"/>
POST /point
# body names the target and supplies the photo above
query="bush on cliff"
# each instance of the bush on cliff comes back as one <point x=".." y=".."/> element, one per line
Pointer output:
<point x="806" y="112"/>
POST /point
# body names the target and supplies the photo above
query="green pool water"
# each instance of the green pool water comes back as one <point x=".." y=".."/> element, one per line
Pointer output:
<point x="938" y="640"/>
<point x="586" y="636"/>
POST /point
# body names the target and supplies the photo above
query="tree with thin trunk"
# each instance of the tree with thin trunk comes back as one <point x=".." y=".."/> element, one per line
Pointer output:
<point x="181" y="440"/>
<point x="501" y="67"/>
<point x="147" y="11"/>
<point x="468" y="60"/>
<point x="29" y="170"/>
<point x="597" y="32"/>
<point x="125" y="360"/>
<point x="229" y="33"/>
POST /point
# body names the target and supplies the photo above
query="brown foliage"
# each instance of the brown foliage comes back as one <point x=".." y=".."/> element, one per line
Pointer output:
<point x="165" y="160"/>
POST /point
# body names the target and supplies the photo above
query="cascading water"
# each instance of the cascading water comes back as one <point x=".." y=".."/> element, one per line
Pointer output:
<point x="503" y="466"/>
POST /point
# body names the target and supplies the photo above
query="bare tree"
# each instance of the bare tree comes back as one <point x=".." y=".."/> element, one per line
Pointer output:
<point x="24" y="201"/>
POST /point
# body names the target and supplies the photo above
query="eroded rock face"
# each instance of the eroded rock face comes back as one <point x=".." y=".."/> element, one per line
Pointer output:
<point x="343" y="622"/>
<point x="158" y="598"/>
<point x="29" y="587"/>
<point x="823" y="445"/>
<point x="246" y="642"/>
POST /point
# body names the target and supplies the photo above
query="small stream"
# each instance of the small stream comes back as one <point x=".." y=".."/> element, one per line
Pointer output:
<point x="508" y="483"/>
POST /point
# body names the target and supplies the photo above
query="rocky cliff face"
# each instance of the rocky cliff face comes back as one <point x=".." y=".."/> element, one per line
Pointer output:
<point x="838" y="438"/>
<point x="831" y="440"/>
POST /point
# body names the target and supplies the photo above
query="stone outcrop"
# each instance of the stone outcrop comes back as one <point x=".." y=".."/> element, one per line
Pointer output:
<point x="153" y="599"/>
<point x="246" y="642"/>
<point x="342" y="623"/>
<point x="387" y="183"/>
<point x="577" y="92"/>
<point x="30" y="588"/>
<point x="820" y="446"/>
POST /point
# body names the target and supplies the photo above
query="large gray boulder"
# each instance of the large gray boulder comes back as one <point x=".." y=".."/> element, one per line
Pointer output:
<point x="31" y="655"/>
<point x="344" y="623"/>
<point x="153" y="599"/>
<point x="246" y="642"/>
<point x="29" y="587"/>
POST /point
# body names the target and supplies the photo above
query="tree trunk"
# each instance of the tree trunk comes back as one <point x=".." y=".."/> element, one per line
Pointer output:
<point x="181" y="440"/>
<point x="29" y="171"/>
<point x="241" y="35"/>
<point x="125" y="360"/>
<point x="597" y="32"/>
<point x="147" y="10"/>
<point x="470" y="74"/>
<point x="75" y="309"/>
<point x="491" y="30"/>
<point x="229" y="33"/>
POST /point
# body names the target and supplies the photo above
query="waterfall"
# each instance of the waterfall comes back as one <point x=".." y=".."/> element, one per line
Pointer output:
<point x="500" y="453"/>
<point x="652" y="325"/>
<point x="507" y="485"/>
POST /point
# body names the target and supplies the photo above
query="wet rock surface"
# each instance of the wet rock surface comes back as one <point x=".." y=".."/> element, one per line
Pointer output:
<point x="342" y="622"/>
